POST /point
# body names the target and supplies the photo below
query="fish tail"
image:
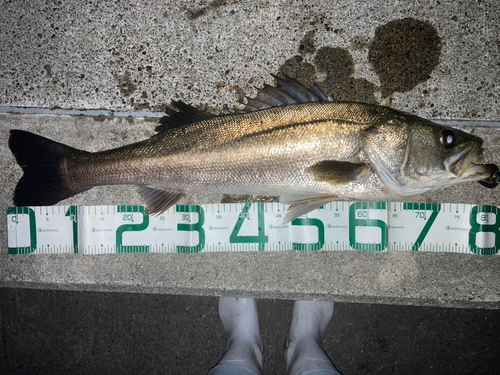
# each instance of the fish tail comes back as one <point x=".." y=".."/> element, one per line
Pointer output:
<point x="39" y="157"/>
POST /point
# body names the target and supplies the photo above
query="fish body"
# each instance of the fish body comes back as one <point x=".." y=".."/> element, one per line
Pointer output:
<point x="267" y="152"/>
<point x="307" y="150"/>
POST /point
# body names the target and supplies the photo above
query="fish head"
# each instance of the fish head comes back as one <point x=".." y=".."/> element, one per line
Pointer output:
<point x="412" y="155"/>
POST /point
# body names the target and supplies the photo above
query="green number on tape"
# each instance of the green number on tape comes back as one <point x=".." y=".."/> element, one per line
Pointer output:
<point x="73" y="216"/>
<point x="421" y="208"/>
<point x="488" y="228"/>
<point x="261" y="238"/>
<point x="120" y="248"/>
<point x="361" y="219"/>
<point x="321" y="234"/>
<point x="198" y="227"/>
<point x="32" y="222"/>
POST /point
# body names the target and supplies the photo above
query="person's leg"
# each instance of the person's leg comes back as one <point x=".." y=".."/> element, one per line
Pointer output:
<point x="243" y="353"/>
<point x="304" y="350"/>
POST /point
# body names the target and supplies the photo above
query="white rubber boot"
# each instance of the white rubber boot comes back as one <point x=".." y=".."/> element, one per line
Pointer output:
<point x="244" y="345"/>
<point x="304" y="351"/>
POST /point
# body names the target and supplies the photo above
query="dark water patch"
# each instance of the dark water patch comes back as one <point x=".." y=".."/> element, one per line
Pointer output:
<point x="404" y="53"/>
<point x="359" y="43"/>
<point x="335" y="62"/>
<point x="197" y="13"/>
<point x="126" y="85"/>
<point x="141" y="106"/>
<point x="338" y="65"/>
<point x="307" y="43"/>
<point x="298" y="69"/>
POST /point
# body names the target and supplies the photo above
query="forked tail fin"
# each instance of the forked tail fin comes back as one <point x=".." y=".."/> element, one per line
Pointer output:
<point x="39" y="157"/>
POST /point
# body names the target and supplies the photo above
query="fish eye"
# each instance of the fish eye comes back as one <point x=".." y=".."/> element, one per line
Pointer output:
<point x="447" y="138"/>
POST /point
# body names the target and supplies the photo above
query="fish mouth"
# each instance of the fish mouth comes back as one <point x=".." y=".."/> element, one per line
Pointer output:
<point x="478" y="172"/>
<point x="459" y="163"/>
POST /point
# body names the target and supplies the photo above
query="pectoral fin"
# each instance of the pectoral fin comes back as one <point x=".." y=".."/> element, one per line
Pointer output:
<point x="336" y="172"/>
<point x="157" y="200"/>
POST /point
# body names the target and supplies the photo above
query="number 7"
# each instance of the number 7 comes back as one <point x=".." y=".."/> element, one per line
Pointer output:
<point x="435" y="208"/>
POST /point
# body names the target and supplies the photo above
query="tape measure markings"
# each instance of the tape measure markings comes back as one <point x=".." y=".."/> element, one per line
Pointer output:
<point x="374" y="226"/>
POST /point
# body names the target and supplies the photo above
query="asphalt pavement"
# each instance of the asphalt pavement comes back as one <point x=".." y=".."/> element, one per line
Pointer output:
<point x="62" y="332"/>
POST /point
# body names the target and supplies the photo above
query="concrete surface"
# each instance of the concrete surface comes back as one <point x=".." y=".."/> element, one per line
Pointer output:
<point x="425" y="279"/>
<point x="404" y="278"/>
<point x="432" y="58"/>
<point x="61" y="332"/>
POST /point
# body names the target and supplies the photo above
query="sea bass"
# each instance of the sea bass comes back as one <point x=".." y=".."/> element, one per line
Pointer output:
<point x="289" y="141"/>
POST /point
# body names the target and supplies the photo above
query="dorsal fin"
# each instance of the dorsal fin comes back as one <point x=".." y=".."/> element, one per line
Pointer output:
<point x="287" y="91"/>
<point x="184" y="114"/>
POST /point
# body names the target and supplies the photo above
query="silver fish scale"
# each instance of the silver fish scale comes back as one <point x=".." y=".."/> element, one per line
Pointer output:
<point x="263" y="152"/>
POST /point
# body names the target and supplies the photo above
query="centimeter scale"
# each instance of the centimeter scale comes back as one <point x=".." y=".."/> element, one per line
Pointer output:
<point x="374" y="226"/>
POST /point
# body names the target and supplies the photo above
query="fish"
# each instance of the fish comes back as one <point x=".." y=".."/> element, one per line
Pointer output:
<point x="289" y="141"/>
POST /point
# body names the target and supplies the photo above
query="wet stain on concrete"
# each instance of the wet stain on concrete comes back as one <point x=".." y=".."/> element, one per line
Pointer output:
<point x="359" y="43"/>
<point x="307" y="43"/>
<point x="404" y="53"/>
<point x="125" y="84"/>
<point x="338" y="66"/>
<point x="296" y="68"/>
<point x="197" y="13"/>
<point x="100" y="118"/>
<point x="142" y="106"/>
<point x="334" y="61"/>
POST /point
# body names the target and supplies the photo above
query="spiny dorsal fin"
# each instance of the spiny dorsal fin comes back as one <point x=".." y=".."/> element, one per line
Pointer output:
<point x="287" y="91"/>
<point x="184" y="114"/>
<point x="157" y="200"/>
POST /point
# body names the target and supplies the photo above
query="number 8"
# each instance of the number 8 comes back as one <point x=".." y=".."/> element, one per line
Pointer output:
<point x="488" y="228"/>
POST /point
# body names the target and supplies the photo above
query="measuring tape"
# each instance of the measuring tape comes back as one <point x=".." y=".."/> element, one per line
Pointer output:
<point x="375" y="226"/>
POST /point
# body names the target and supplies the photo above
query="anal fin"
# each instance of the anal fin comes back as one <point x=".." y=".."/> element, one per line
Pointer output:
<point x="157" y="200"/>
<point x="303" y="204"/>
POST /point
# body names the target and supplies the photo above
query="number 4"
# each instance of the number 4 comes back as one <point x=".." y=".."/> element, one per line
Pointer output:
<point x="260" y="238"/>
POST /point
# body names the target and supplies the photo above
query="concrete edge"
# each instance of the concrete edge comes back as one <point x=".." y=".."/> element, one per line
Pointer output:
<point x="257" y="295"/>
<point x="422" y="279"/>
